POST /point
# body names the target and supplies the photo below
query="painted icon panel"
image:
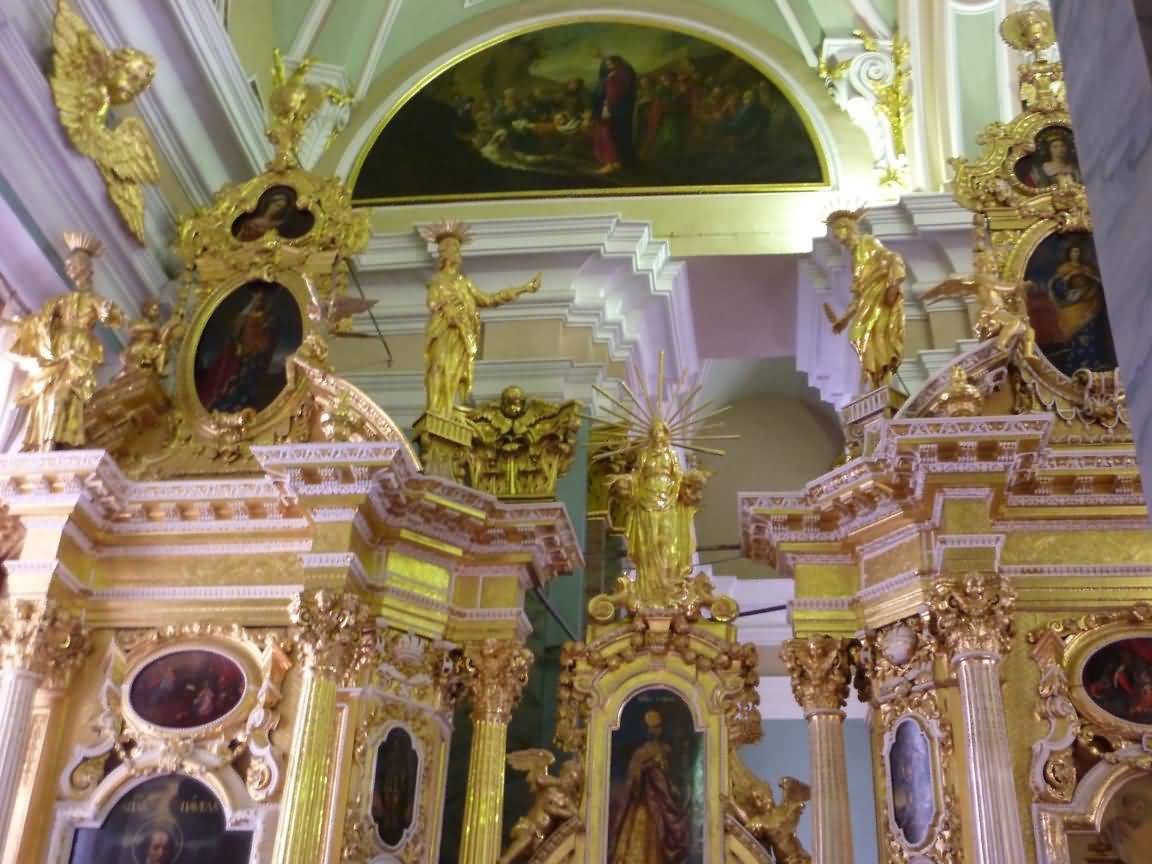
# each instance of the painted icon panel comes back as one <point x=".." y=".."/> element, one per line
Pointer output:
<point x="1054" y="161"/>
<point x="242" y="356"/>
<point x="911" y="783"/>
<point x="591" y="108"/>
<point x="1125" y="835"/>
<point x="165" y="820"/>
<point x="394" y="786"/>
<point x="1118" y="678"/>
<point x="656" y="808"/>
<point x="275" y="212"/>
<point x="1066" y="304"/>
<point x="186" y="689"/>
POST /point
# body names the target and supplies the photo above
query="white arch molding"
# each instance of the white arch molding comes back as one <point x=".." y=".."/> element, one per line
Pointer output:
<point x="793" y="88"/>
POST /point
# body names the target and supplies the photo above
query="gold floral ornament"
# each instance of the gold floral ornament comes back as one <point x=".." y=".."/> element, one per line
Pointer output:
<point x="555" y="799"/>
<point x="876" y="313"/>
<point x="87" y="81"/>
<point x="293" y="106"/>
<point x="59" y="351"/>
<point x="821" y="671"/>
<point x="658" y="500"/>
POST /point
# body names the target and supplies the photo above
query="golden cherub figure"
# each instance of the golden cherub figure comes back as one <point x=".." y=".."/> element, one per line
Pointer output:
<point x="149" y="341"/>
<point x="876" y="313"/>
<point x="453" y="334"/>
<point x="87" y="81"/>
<point x="293" y="105"/>
<point x="557" y="798"/>
<point x="1002" y="313"/>
<point x="59" y="351"/>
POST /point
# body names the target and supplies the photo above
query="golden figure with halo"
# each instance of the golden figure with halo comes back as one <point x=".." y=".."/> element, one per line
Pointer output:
<point x="87" y="81"/>
<point x="453" y="334"/>
<point x="876" y="313"/>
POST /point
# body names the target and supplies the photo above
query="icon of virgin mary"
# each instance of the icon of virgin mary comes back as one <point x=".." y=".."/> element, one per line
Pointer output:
<point x="235" y="376"/>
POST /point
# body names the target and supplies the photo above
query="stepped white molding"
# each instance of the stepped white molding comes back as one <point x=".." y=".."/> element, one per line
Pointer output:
<point x="331" y="118"/>
<point x="309" y="29"/>
<point x="376" y="51"/>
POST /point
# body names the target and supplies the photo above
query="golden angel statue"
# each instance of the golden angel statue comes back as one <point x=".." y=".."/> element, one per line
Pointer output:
<point x="149" y="341"/>
<point x="87" y="81"/>
<point x="1002" y="313"/>
<point x="522" y="445"/>
<point x="556" y="798"/>
<point x="876" y="312"/>
<point x="453" y="335"/>
<point x="772" y="823"/>
<point x="60" y="353"/>
<point x="293" y="105"/>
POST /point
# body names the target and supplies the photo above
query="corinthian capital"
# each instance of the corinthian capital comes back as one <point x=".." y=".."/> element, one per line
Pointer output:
<point x="336" y="633"/>
<point x="40" y="637"/>
<point x="497" y="671"/>
<point x="821" y="669"/>
<point x="972" y="613"/>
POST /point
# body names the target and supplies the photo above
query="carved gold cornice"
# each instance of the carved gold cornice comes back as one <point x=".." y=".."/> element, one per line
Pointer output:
<point x="821" y="669"/>
<point x="336" y="636"/>
<point x="972" y="613"/>
<point x="496" y="671"/>
<point x="40" y="637"/>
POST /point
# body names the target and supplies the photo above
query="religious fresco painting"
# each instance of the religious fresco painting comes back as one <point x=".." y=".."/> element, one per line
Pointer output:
<point x="1054" y="161"/>
<point x="276" y="211"/>
<point x="910" y="782"/>
<point x="590" y="108"/>
<point x="1066" y="304"/>
<point x="394" y="786"/>
<point x="656" y="804"/>
<point x="241" y="359"/>
<point x="166" y="820"/>
<point x="1118" y="678"/>
<point x="186" y="689"/>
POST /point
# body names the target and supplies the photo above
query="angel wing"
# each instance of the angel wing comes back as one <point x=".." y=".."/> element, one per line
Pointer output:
<point x="950" y="288"/>
<point x="534" y="763"/>
<point x="346" y="307"/>
<point x="81" y="73"/>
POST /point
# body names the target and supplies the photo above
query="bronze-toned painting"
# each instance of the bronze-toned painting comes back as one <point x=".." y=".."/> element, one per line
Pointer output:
<point x="394" y="786"/>
<point x="166" y="820"/>
<point x="1118" y="678"/>
<point x="275" y="211"/>
<point x="910" y="781"/>
<point x="1125" y="835"/>
<point x="656" y="808"/>
<point x="241" y="358"/>
<point x="1066" y="304"/>
<point x="185" y="689"/>
<point x="1053" y="161"/>
<point x="590" y="108"/>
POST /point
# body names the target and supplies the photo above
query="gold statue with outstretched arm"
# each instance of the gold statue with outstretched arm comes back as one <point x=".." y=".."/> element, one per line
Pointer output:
<point x="875" y="315"/>
<point x="453" y="334"/>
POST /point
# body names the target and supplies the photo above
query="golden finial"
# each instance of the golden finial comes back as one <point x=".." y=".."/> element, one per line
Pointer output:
<point x="437" y="231"/>
<point x="1029" y="29"/>
<point x="961" y="399"/>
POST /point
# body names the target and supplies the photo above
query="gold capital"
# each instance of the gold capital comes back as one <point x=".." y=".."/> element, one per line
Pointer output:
<point x="972" y="613"/>
<point x="497" y="671"/>
<point x="821" y="669"/>
<point x="40" y="637"/>
<point x="336" y="633"/>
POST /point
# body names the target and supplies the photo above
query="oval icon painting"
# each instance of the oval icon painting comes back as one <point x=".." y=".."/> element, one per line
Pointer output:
<point x="185" y="689"/>
<point x="394" y="786"/>
<point x="242" y="356"/>
<point x="910" y="780"/>
<point x="1118" y="678"/>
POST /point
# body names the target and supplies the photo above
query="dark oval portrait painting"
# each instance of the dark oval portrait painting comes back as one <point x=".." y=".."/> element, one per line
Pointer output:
<point x="911" y="783"/>
<point x="185" y="689"/>
<point x="1118" y="678"/>
<point x="1066" y="304"/>
<point x="166" y="820"/>
<point x="590" y="108"/>
<point x="241" y="359"/>
<point x="394" y="786"/>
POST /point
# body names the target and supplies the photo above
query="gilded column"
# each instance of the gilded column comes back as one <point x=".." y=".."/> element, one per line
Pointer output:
<point x="36" y="639"/>
<point x="496" y="674"/>
<point x="972" y="617"/>
<point x="335" y="638"/>
<point x="821" y="670"/>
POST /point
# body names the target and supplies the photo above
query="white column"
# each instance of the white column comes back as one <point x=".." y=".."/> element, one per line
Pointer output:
<point x="17" y="692"/>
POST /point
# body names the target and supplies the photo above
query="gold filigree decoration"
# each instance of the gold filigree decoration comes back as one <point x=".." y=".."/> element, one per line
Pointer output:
<point x="821" y="668"/>
<point x="335" y="632"/>
<point x="496" y="672"/>
<point x="293" y="106"/>
<point x="972" y="613"/>
<point x="88" y="81"/>
<point x="896" y="660"/>
<point x="44" y="638"/>
<point x="555" y="800"/>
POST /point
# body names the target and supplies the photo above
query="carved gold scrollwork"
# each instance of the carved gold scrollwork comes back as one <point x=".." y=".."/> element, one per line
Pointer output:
<point x="496" y="672"/>
<point x="42" y="637"/>
<point x="821" y="670"/>
<point x="335" y="632"/>
<point x="972" y="613"/>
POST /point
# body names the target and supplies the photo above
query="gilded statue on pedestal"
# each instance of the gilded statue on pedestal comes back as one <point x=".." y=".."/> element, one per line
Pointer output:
<point x="87" y="81"/>
<point x="522" y="445"/>
<point x="876" y="312"/>
<point x="557" y="798"/>
<point x="453" y="335"/>
<point x="294" y="104"/>
<point x="60" y="352"/>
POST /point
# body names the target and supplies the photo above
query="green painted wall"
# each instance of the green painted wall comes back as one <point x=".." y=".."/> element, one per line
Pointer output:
<point x="976" y="70"/>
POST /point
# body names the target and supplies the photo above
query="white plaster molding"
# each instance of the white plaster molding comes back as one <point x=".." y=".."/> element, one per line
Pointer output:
<point x="223" y="593"/>
<point x="309" y="28"/>
<point x="372" y="62"/>
<point x="331" y="118"/>
<point x="797" y="31"/>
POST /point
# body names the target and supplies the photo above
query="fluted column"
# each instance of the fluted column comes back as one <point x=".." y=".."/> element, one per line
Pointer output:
<point x="821" y="669"/>
<point x="497" y="672"/>
<point x="335" y="638"/>
<point x="972" y="617"/>
<point x="36" y="639"/>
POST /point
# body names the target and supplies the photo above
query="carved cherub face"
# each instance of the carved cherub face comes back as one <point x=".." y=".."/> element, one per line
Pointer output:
<point x="150" y="311"/>
<point x="512" y="402"/>
<point x="133" y="73"/>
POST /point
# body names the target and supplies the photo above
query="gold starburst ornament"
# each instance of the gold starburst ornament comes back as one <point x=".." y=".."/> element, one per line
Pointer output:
<point x="87" y="81"/>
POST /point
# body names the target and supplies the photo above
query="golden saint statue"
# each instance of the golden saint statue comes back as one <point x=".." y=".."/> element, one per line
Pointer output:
<point x="453" y="335"/>
<point x="876" y="313"/>
<point x="60" y="353"/>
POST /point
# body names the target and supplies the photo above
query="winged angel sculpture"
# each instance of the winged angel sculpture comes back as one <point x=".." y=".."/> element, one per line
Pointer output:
<point x="557" y="798"/>
<point x="87" y="81"/>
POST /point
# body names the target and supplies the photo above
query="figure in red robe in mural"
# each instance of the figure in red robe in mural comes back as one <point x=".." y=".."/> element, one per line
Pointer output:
<point x="235" y="378"/>
<point x="613" y="107"/>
